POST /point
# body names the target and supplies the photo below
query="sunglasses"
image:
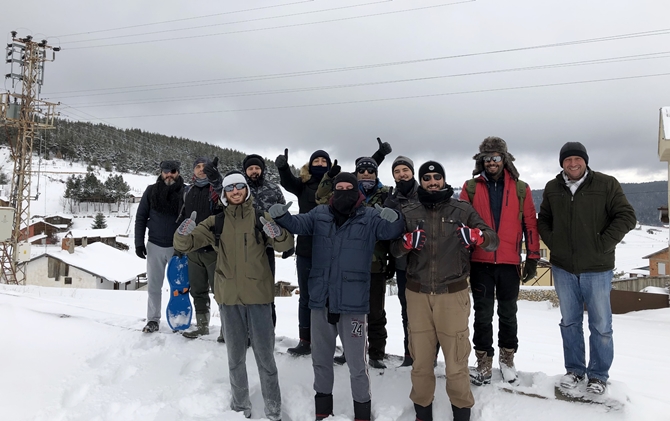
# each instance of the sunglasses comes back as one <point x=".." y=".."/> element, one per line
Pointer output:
<point x="238" y="186"/>
<point x="428" y="177"/>
<point x="492" y="158"/>
<point x="369" y="170"/>
<point x="170" y="171"/>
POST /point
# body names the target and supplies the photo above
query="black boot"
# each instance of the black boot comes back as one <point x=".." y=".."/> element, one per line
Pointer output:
<point x="407" y="362"/>
<point x="323" y="405"/>
<point x="362" y="411"/>
<point x="304" y="347"/>
<point x="424" y="413"/>
<point x="461" y="414"/>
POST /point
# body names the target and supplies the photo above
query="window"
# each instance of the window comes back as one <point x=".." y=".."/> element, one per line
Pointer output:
<point x="661" y="268"/>
<point x="68" y="280"/>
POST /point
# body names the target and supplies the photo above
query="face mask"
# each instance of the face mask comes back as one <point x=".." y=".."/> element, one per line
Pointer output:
<point x="405" y="186"/>
<point x="345" y="200"/>
<point x="367" y="184"/>
<point x="317" y="171"/>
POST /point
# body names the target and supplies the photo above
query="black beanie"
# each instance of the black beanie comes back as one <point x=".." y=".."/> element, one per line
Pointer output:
<point x="253" y="159"/>
<point x="403" y="160"/>
<point x="573" y="149"/>
<point x="366" y="162"/>
<point x="431" y="166"/>
<point x="320" y="154"/>
<point x="346" y="177"/>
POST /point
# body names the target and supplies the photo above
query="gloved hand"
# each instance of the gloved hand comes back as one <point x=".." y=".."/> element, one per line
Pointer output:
<point x="529" y="270"/>
<point x="141" y="252"/>
<point x="188" y="225"/>
<point x="470" y="236"/>
<point x="389" y="273"/>
<point x="416" y="239"/>
<point x="211" y="170"/>
<point x="387" y="213"/>
<point x="282" y="160"/>
<point x="288" y="253"/>
<point x="277" y="210"/>
<point x="334" y="170"/>
<point x="385" y="148"/>
<point x="270" y="228"/>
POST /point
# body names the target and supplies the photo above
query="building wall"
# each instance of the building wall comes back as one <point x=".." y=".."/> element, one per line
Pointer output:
<point x="659" y="263"/>
<point x="37" y="274"/>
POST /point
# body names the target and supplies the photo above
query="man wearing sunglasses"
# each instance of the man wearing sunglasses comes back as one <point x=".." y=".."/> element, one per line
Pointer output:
<point x="495" y="195"/>
<point x="440" y="232"/>
<point x="158" y="211"/>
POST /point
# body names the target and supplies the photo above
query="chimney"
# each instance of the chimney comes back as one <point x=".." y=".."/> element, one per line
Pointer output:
<point x="84" y="241"/>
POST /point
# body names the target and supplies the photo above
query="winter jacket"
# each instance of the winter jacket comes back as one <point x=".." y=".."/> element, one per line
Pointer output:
<point x="266" y="193"/>
<point x="443" y="264"/>
<point x="204" y="201"/>
<point x="582" y="230"/>
<point x="242" y="274"/>
<point x="511" y="229"/>
<point x="161" y="225"/>
<point x="340" y="274"/>
<point x="395" y="201"/>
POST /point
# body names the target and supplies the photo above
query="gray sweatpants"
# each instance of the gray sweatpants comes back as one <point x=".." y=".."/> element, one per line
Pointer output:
<point x="240" y="322"/>
<point x="352" y="329"/>
<point x="157" y="259"/>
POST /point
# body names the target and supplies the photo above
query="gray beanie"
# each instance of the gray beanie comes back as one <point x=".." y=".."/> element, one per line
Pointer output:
<point x="403" y="160"/>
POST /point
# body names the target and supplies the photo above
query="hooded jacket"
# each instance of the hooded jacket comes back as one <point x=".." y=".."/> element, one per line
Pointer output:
<point x="161" y="224"/>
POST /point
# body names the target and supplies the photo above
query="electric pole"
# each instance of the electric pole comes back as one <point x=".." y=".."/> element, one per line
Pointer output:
<point x="26" y="113"/>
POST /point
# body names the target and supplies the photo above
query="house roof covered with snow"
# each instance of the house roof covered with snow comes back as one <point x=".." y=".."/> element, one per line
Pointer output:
<point x="665" y="123"/>
<point x="102" y="233"/>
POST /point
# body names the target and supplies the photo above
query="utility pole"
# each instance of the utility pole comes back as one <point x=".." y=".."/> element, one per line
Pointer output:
<point x="26" y="113"/>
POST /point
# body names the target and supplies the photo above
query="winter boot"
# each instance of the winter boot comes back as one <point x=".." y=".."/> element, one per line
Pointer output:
<point x="596" y="386"/>
<point x="570" y="380"/>
<point x="362" y="411"/>
<point x="151" y="327"/>
<point x="304" y="346"/>
<point x="506" y="361"/>
<point x="461" y="414"/>
<point x="340" y="359"/>
<point x="202" y="329"/>
<point x="424" y="413"/>
<point x="408" y="361"/>
<point x="323" y="405"/>
<point x="482" y="374"/>
<point x="376" y="364"/>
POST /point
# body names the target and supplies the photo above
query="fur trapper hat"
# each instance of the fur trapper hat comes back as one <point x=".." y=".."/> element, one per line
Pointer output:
<point x="490" y="145"/>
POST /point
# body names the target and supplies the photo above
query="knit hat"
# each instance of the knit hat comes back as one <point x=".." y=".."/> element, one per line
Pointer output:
<point x="431" y="166"/>
<point x="573" y="149"/>
<point x="253" y="159"/>
<point x="403" y="160"/>
<point x="366" y="162"/>
<point x="201" y="160"/>
<point x="170" y="165"/>
<point x="491" y="145"/>
<point x="233" y="177"/>
<point x="320" y="154"/>
<point x="346" y="177"/>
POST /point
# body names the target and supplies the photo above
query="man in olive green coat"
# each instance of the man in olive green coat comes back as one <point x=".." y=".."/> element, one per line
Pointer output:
<point x="243" y="287"/>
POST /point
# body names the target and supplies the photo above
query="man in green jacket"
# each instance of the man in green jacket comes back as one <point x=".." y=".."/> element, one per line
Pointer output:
<point x="243" y="287"/>
<point x="583" y="216"/>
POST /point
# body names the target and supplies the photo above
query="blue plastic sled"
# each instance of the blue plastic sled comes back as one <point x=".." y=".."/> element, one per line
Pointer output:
<point x="179" y="309"/>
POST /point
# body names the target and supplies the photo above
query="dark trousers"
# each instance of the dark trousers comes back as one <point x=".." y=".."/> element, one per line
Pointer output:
<point x="377" y="317"/>
<point x="401" y="280"/>
<point x="304" y="266"/>
<point x="492" y="282"/>
<point x="271" y="259"/>
<point x="201" y="266"/>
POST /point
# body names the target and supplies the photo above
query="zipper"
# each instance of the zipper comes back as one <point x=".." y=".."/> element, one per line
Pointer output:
<point x="245" y="247"/>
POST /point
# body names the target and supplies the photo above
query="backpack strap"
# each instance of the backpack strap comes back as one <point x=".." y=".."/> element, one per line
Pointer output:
<point x="218" y="228"/>
<point x="521" y="194"/>
<point x="470" y="188"/>
<point x="258" y="227"/>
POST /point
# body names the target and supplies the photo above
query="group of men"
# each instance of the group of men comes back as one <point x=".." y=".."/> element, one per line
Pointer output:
<point x="354" y="233"/>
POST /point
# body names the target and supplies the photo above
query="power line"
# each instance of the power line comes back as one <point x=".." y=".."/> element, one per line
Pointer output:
<point x="278" y="27"/>
<point x="620" y="59"/>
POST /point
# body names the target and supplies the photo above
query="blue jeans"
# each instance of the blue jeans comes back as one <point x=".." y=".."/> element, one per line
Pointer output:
<point x="592" y="289"/>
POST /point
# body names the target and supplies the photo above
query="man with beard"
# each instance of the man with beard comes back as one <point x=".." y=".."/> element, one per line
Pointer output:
<point x="439" y="233"/>
<point x="158" y="211"/>
<point x="344" y="236"/>
<point x="505" y="203"/>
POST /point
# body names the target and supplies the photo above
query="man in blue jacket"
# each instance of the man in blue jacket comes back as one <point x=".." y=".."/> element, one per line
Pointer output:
<point x="344" y="234"/>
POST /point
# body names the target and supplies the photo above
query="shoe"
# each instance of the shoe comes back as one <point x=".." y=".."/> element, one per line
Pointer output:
<point x="303" y="348"/>
<point x="221" y="339"/>
<point x="407" y="362"/>
<point x="570" y="380"/>
<point x="377" y="364"/>
<point x="506" y="361"/>
<point x="323" y="406"/>
<point x="424" y="413"/>
<point x="596" y="386"/>
<point x="202" y="327"/>
<point x="151" y="327"/>
<point x="362" y="411"/>
<point x="460" y="414"/>
<point x="482" y="373"/>
<point x="340" y="359"/>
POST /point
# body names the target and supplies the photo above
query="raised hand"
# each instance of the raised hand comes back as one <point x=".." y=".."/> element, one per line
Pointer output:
<point x="188" y="225"/>
<point x="278" y="210"/>
<point x="270" y="228"/>
<point x="385" y="147"/>
<point x="211" y="170"/>
<point x="386" y="213"/>
<point x="334" y="170"/>
<point x="470" y="236"/>
<point x="282" y="160"/>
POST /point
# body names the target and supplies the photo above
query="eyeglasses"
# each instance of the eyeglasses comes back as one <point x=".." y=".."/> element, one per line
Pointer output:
<point x="369" y="170"/>
<point x="170" y="171"/>
<point x="428" y="177"/>
<point x="238" y="186"/>
<point x="493" y="158"/>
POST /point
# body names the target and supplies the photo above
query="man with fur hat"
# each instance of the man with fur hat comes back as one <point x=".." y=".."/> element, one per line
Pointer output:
<point x="243" y="286"/>
<point x="344" y="235"/>
<point x="495" y="276"/>
<point x="440" y="231"/>
<point x="583" y="216"/>
<point x="158" y="211"/>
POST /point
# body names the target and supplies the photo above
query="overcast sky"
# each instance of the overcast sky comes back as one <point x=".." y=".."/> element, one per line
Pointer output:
<point x="431" y="77"/>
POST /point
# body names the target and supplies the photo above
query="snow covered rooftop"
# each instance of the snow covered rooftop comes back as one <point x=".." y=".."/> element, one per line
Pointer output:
<point x="102" y="233"/>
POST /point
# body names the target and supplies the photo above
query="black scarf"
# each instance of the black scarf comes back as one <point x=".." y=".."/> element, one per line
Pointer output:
<point x="430" y="199"/>
<point x="343" y="204"/>
<point x="405" y="186"/>
<point x="166" y="199"/>
<point x="255" y="183"/>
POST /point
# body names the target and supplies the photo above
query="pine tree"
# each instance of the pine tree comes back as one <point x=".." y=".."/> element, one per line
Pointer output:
<point x="99" y="221"/>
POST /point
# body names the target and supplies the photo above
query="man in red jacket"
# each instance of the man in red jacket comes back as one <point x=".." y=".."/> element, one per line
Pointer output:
<point x="505" y="203"/>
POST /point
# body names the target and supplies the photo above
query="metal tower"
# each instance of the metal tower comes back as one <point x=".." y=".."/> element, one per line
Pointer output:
<point x="26" y="113"/>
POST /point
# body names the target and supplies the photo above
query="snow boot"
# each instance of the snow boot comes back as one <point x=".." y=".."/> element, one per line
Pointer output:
<point x="323" y="405"/>
<point x="151" y="327"/>
<point x="304" y="347"/>
<point x="461" y="414"/>
<point x="424" y="413"/>
<point x="570" y="380"/>
<point x="340" y="359"/>
<point x="407" y="362"/>
<point x="376" y="364"/>
<point x="482" y="373"/>
<point x="362" y="411"/>
<point x="596" y="386"/>
<point x="506" y="361"/>
<point x="202" y="327"/>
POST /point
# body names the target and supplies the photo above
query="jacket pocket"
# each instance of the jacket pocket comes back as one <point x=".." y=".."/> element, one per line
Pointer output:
<point x="316" y="284"/>
<point x="355" y="291"/>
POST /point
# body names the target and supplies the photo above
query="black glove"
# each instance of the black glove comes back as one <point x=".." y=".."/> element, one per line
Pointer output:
<point x="529" y="270"/>
<point x="288" y="253"/>
<point x="282" y="160"/>
<point x="384" y="148"/>
<point x="141" y="252"/>
<point x="212" y="172"/>
<point x="334" y="170"/>
<point x="389" y="273"/>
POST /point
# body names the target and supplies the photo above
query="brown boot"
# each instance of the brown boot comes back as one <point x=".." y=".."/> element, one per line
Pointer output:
<point x="202" y="320"/>
<point x="506" y="361"/>
<point x="482" y="374"/>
